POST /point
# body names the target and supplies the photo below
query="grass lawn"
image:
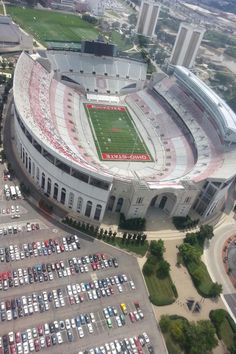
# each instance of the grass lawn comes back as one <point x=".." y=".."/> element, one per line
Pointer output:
<point x="204" y="286"/>
<point x="122" y="44"/>
<point x="115" y="135"/>
<point x="160" y="289"/>
<point x="131" y="246"/>
<point x="173" y="347"/>
<point x="1" y="9"/>
<point x="227" y="334"/>
<point x="47" y="25"/>
<point x="225" y="327"/>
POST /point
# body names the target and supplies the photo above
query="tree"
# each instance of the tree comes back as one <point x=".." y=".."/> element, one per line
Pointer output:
<point x="206" y="232"/>
<point x="165" y="322"/>
<point x="191" y="238"/>
<point x="115" y="25"/>
<point x="147" y="269"/>
<point x="157" y="248"/>
<point x="143" y="238"/>
<point x="189" y="253"/>
<point x="163" y="269"/>
<point x="142" y="41"/>
<point x="132" y="19"/>
<point x="124" y="236"/>
<point x="216" y="290"/>
<point x="199" y="337"/>
<point x="134" y="236"/>
<point x="217" y="317"/>
<point x="177" y="330"/>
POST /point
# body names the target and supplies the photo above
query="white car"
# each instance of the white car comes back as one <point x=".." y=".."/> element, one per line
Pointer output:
<point x="9" y="315"/>
<point x="67" y="323"/>
<point x="59" y="338"/>
<point x="73" y="324"/>
<point x="90" y="328"/>
<point x="132" y="285"/>
<point x="11" y="337"/>
<point x="46" y="329"/>
<point x="147" y="340"/>
<point x="81" y="332"/>
<point x="29" y="333"/>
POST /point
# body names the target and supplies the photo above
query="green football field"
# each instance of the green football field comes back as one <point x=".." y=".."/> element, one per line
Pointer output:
<point x="47" y="25"/>
<point x="115" y="134"/>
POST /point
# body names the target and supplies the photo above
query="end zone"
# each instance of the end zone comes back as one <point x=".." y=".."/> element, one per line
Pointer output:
<point x="124" y="157"/>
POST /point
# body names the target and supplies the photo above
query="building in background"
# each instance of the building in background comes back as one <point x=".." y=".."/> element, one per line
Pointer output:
<point x="148" y="16"/>
<point x="186" y="45"/>
<point x="97" y="7"/>
<point x="12" y="38"/>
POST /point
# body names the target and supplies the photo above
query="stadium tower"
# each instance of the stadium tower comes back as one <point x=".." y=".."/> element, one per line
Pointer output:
<point x="186" y="45"/>
<point x="148" y="16"/>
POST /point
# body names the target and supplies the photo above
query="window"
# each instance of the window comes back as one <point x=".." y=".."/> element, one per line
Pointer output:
<point x="97" y="212"/>
<point x="23" y="155"/>
<point x="71" y="200"/>
<point x="29" y="165"/>
<point x="111" y="203"/>
<point x="79" y="204"/>
<point x="55" y="191"/>
<point x="163" y="202"/>
<point x="88" y="209"/>
<point x="187" y="200"/>
<point x="37" y="174"/>
<point x="43" y="181"/>
<point x="26" y="160"/>
<point x="49" y="186"/>
<point x="119" y="204"/>
<point x="33" y="169"/>
<point x="21" y="151"/>
<point x="63" y="195"/>
<point x="139" y="200"/>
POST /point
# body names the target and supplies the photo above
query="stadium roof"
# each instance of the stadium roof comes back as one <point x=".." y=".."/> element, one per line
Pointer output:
<point x="224" y="110"/>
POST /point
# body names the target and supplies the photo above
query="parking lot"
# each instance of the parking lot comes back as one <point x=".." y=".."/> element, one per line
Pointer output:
<point x="66" y="292"/>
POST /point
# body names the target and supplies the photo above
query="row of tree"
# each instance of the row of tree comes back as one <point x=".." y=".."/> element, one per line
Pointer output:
<point x="100" y="233"/>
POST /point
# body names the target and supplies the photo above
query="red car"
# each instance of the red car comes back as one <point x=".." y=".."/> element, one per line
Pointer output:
<point x="40" y="330"/>
<point x="18" y="337"/>
<point x="37" y="345"/>
<point x="94" y="266"/>
<point x="48" y="341"/>
<point x="62" y="248"/>
<point x="13" y="349"/>
<point x="131" y="316"/>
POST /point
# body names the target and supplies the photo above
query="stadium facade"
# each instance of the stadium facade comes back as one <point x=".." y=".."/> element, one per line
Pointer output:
<point x="188" y="130"/>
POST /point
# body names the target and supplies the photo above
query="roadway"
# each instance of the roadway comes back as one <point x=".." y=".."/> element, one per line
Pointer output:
<point x="212" y="257"/>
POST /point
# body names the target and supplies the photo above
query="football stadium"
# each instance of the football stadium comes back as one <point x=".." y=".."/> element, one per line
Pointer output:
<point x="97" y="137"/>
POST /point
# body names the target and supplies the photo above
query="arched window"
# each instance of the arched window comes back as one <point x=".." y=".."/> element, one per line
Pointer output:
<point x="111" y="203"/>
<point x="26" y="160"/>
<point x="97" y="212"/>
<point x="29" y="165"/>
<point x="163" y="202"/>
<point x="153" y="201"/>
<point x="37" y="174"/>
<point x="79" y="204"/>
<point x="71" y="200"/>
<point x="88" y="209"/>
<point x="55" y="191"/>
<point x="33" y="169"/>
<point x="49" y="186"/>
<point x="63" y="195"/>
<point x="119" y="204"/>
<point x="43" y="180"/>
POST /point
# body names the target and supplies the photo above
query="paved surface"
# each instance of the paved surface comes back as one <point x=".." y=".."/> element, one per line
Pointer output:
<point x="213" y="259"/>
<point x="51" y="229"/>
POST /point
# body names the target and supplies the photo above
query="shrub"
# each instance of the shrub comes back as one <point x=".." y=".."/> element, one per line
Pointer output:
<point x="184" y="222"/>
<point x="137" y="224"/>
